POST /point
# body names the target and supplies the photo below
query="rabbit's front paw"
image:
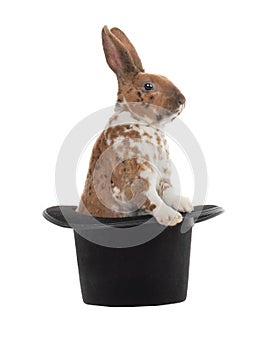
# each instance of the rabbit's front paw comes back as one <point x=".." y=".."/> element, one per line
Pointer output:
<point x="168" y="217"/>
<point x="182" y="204"/>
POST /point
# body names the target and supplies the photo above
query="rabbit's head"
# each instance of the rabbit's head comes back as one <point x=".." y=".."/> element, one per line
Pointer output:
<point x="153" y="97"/>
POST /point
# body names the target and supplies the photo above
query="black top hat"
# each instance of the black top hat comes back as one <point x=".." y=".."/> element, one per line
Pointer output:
<point x="116" y="270"/>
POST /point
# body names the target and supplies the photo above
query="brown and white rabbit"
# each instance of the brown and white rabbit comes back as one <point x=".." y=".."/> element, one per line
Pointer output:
<point x="129" y="171"/>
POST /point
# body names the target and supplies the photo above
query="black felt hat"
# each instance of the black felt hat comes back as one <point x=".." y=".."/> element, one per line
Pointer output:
<point x="151" y="273"/>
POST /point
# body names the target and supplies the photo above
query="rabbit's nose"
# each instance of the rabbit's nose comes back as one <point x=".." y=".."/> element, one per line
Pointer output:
<point x="181" y="99"/>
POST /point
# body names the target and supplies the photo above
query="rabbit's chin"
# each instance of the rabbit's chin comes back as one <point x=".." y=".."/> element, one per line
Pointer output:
<point x="174" y="115"/>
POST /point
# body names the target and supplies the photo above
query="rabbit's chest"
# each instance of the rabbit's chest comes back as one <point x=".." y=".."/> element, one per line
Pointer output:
<point x="153" y="144"/>
<point x="144" y="143"/>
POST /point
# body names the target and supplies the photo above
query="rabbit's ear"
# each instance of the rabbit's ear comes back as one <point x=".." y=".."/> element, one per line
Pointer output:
<point x="126" y="42"/>
<point x="117" y="56"/>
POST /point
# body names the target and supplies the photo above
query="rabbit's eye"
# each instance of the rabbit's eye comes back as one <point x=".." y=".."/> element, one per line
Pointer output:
<point x="148" y="86"/>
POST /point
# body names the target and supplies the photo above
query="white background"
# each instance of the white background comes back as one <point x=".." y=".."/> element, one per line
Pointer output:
<point x="53" y="74"/>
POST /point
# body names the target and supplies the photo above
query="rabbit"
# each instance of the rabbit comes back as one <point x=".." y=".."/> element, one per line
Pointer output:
<point x="129" y="172"/>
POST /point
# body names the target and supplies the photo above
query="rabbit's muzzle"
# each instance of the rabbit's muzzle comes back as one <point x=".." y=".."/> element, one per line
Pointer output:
<point x="176" y="104"/>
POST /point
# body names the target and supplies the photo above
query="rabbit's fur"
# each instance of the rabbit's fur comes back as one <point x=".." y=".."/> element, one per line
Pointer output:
<point x="129" y="171"/>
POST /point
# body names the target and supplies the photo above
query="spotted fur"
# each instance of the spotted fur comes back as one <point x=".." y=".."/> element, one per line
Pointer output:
<point x="129" y="171"/>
